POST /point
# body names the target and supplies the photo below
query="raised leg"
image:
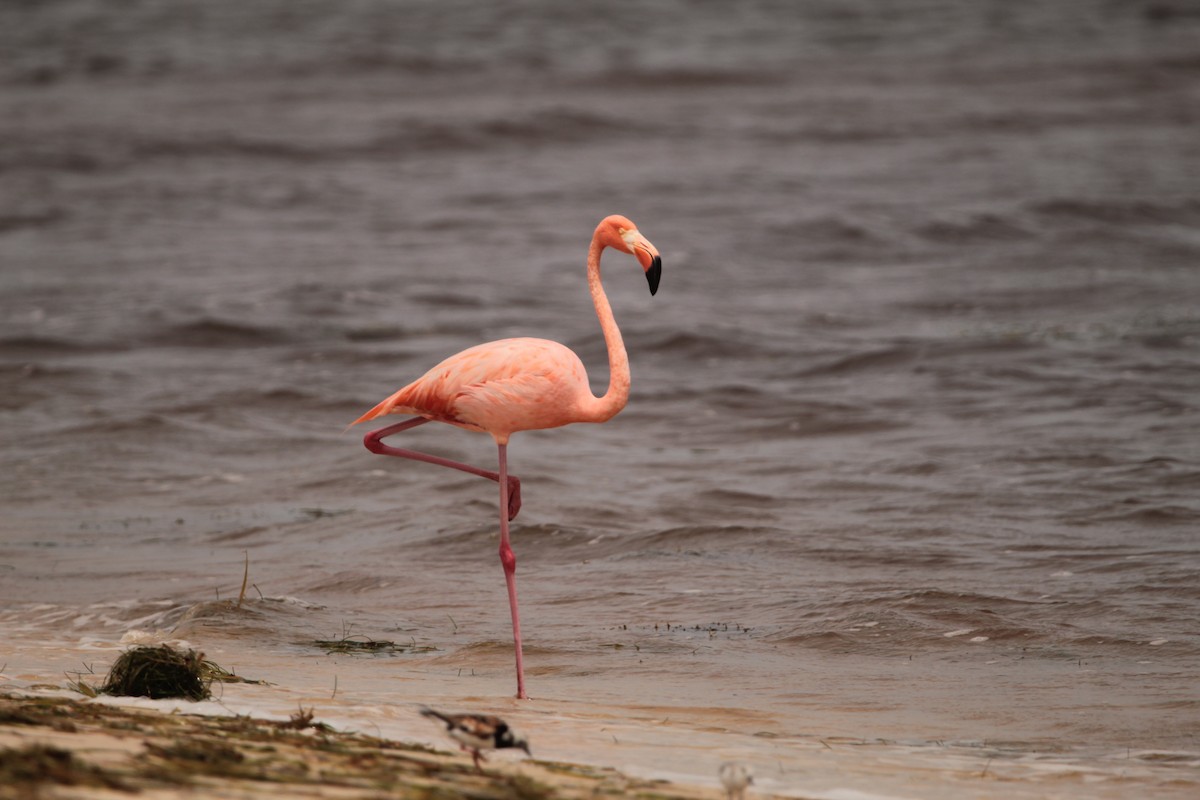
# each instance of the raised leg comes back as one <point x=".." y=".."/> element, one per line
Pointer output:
<point x="509" y="560"/>
<point x="374" y="443"/>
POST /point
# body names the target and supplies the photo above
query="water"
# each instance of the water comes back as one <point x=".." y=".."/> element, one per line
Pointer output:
<point x="904" y="499"/>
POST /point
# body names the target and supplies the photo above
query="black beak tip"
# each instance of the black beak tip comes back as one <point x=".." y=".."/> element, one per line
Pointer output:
<point x="653" y="274"/>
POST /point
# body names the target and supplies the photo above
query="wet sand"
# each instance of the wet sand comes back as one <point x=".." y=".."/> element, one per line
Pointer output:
<point x="581" y="743"/>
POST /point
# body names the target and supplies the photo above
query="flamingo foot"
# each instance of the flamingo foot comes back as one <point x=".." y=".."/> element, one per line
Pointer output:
<point x="514" y="497"/>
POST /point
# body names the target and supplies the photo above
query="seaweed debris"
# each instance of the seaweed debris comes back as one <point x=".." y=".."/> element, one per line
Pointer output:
<point x="356" y="645"/>
<point x="161" y="672"/>
<point x="24" y="769"/>
<point x="158" y="672"/>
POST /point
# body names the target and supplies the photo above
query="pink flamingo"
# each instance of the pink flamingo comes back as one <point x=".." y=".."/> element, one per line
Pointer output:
<point x="520" y="385"/>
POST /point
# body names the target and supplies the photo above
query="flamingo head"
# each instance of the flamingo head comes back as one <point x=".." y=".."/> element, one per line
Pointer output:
<point x="619" y="233"/>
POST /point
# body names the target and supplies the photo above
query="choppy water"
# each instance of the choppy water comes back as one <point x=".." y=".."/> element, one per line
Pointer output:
<point x="912" y="454"/>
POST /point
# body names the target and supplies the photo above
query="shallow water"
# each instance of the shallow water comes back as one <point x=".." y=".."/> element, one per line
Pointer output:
<point x="907" y="479"/>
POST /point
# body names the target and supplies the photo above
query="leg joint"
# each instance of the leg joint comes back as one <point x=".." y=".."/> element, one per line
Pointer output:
<point x="508" y="558"/>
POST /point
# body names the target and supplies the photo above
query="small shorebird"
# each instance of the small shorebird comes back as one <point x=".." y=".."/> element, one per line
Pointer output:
<point x="735" y="778"/>
<point x="520" y="385"/>
<point x="478" y="732"/>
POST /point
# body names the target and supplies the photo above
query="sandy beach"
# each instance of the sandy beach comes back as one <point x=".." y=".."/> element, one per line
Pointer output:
<point x="62" y="748"/>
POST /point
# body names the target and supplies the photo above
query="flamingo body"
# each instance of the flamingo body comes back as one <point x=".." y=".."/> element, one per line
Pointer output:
<point x="499" y="388"/>
<point x="519" y="385"/>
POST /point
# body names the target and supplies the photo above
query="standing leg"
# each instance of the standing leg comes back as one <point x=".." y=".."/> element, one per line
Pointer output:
<point x="374" y="443"/>
<point x="509" y="560"/>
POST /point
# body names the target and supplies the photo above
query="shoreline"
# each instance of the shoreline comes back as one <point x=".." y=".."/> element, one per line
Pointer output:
<point x="55" y="747"/>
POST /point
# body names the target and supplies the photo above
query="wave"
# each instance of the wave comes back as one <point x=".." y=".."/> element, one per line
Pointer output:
<point x="683" y="78"/>
<point x="114" y="615"/>
<point x="147" y="425"/>
<point x="778" y="415"/>
<point x="668" y="541"/>
<point x="857" y="362"/>
<point x="408" y="137"/>
<point x="31" y="219"/>
<point x="29" y="383"/>
<point x="212" y="332"/>
<point x="445" y="299"/>
<point x="712" y="342"/>
<point x="270" y="399"/>
<point x="939" y="597"/>
<point x="347" y="582"/>
<point x="831" y="230"/>
<point x="1132" y="510"/>
<point x="34" y="346"/>
<point x="973" y="228"/>
<point x="1119" y="212"/>
<point x="258" y="618"/>
<point x="205" y="332"/>
<point x="118" y="149"/>
<point x="906" y="351"/>
<point x="916" y="620"/>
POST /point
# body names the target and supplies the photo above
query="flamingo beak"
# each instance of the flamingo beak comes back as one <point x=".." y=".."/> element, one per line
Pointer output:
<point x="653" y="273"/>
<point x="647" y="255"/>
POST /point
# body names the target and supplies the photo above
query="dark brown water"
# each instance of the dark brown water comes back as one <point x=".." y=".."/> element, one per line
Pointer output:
<point x="913" y="450"/>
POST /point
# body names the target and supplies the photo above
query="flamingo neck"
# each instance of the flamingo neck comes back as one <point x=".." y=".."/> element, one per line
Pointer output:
<point x="599" y="409"/>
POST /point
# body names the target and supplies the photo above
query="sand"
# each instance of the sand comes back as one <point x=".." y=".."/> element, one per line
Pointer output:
<point x="53" y="747"/>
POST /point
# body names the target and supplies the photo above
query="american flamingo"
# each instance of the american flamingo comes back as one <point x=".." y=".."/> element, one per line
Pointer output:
<point x="520" y="385"/>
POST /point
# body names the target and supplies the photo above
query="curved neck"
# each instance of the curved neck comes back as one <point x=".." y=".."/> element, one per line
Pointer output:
<point x="600" y="409"/>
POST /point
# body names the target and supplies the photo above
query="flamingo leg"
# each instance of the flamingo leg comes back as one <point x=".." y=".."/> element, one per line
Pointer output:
<point x="509" y="560"/>
<point x="510" y="498"/>
<point x="374" y="443"/>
